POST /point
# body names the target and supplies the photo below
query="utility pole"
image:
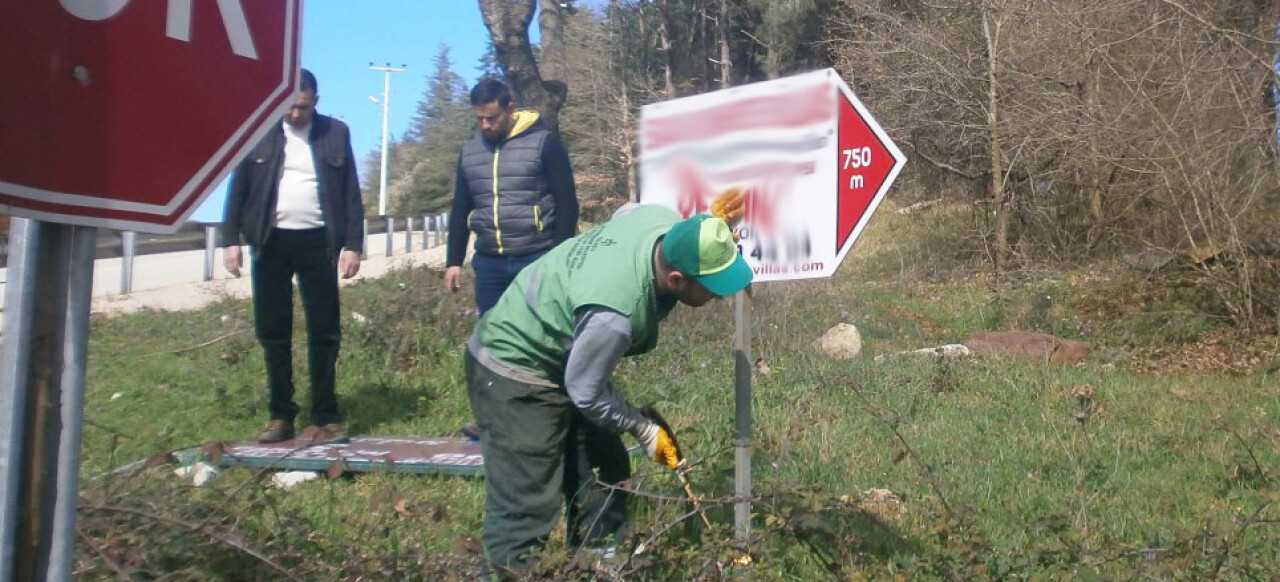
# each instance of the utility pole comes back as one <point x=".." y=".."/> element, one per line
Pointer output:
<point x="386" y="109"/>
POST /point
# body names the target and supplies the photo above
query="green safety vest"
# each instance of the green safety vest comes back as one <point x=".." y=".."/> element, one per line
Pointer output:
<point x="531" y="327"/>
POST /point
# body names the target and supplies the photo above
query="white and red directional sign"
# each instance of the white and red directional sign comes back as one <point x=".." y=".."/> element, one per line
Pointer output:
<point x="126" y="113"/>
<point x="811" y="161"/>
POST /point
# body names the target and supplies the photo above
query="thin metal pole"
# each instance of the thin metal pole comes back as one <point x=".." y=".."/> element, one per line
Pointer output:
<point x="386" y="109"/>
<point x="742" y="438"/>
<point x="439" y="227"/>
<point x="408" y="234"/>
<point x="391" y="234"/>
<point x="129" y="244"/>
<point x="75" y="352"/>
<point x="210" y="243"/>
<point x="20" y="290"/>
<point x="364" y="244"/>
<point x="426" y="230"/>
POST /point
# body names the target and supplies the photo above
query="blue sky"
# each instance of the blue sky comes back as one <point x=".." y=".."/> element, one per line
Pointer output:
<point x="341" y="37"/>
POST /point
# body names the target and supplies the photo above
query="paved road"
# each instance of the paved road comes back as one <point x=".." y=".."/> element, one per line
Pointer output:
<point x="171" y="281"/>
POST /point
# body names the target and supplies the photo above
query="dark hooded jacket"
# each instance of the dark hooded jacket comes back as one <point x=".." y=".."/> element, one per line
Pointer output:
<point x="516" y="195"/>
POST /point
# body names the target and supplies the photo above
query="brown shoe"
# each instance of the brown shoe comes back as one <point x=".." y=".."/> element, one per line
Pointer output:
<point x="331" y="434"/>
<point x="276" y="431"/>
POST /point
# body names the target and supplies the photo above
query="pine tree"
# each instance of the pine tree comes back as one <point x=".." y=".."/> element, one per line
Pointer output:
<point x="424" y="168"/>
<point x="446" y="90"/>
<point x="488" y="65"/>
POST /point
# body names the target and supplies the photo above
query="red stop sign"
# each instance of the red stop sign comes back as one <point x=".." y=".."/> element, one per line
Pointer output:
<point x="125" y="113"/>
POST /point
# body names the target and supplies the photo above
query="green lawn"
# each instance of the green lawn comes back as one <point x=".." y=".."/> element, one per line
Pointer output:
<point x="1005" y="469"/>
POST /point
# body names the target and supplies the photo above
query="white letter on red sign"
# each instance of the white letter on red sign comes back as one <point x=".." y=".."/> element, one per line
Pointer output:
<point x="177" y="20"/>
<point x="178" y="25"/>
<point x="93" y="9"/>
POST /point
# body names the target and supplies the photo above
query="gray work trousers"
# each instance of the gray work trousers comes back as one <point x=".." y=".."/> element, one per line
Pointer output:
<point x="540" y="452"/>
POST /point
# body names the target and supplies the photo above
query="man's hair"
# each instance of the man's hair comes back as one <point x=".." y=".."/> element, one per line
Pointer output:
<point x="489" y="90"/>
<point x="308" y="83"/>
<point x="663" y="262"/>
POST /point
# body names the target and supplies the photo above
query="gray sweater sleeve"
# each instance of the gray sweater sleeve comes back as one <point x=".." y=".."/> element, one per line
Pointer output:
<point x="601" y="337"/>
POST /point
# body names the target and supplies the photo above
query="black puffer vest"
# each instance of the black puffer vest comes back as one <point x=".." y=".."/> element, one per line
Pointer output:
<point x="514" y="212"/>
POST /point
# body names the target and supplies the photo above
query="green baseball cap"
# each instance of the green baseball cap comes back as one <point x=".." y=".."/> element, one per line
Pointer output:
<point x="702" y="246"/>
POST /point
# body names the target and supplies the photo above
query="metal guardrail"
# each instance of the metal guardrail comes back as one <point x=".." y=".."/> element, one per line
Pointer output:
<point x="128" y="245"/>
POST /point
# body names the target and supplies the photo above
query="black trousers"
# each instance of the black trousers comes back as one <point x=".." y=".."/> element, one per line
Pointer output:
<point x="540" y="453"/>
<point x="305" y="253"/>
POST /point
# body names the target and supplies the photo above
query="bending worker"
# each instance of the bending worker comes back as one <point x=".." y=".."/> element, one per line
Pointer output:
<point x="538" y="368"/>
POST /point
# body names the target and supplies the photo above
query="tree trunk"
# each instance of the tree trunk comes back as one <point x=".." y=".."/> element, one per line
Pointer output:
<point x="628" y="149"/>
<point x="1095" y="182"/>
<point x="551" y="29"/>
<point x="664" y="41"/>
<point x="726" y="62"/>
<point x="508" y="22"/>
<point x="704" y="50"/>
<point x="1003" y="202"/>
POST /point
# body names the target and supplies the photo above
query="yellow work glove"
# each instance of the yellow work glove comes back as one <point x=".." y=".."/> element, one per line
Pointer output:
<point x="729" y="207"/>
<point x="660" y="446"/>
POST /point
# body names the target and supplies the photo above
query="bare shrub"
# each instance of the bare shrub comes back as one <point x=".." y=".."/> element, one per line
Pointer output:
<point x="1094" y="129"/>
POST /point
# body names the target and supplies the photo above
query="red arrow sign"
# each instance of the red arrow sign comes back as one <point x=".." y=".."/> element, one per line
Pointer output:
<point x="125" y="113"/>
<point x="811" y="162"/>
<point x="865" y="163"/>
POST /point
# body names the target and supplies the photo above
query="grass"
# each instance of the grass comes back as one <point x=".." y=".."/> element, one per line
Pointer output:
<point x="1005" y="469"/>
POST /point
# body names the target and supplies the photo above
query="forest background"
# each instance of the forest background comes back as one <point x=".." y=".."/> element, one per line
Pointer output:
<point x="1073" y="131"/>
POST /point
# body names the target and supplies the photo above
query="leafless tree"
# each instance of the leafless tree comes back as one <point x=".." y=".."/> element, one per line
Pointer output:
<point x="1094" y="128"/>
<point x="508" y="22"/>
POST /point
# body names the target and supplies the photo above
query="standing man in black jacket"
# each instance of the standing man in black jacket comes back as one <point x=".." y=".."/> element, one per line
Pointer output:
<point x="514" y="191"/>
<point x="295" y="200"/>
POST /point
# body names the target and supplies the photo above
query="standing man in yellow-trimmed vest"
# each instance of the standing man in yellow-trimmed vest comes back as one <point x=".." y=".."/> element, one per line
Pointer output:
<point x="514" y="191"/>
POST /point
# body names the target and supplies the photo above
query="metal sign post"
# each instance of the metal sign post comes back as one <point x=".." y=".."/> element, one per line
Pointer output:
<point x="742" y="437"/>
<point x="14" y="362"/>
<point x="43" y="370"/>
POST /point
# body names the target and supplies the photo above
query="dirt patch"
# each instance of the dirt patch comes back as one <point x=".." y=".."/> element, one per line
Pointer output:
<point x="1029" y="346"/>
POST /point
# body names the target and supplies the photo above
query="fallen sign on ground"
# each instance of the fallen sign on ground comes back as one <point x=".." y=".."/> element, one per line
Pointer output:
<point x="364" y="454"/>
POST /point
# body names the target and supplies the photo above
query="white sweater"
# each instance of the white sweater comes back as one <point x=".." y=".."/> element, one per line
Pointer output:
<point x="298" y="203"/>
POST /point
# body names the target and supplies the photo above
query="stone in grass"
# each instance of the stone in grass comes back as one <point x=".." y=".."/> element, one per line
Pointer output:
<point x="842" y="342"/>
<point x="199" y="473"/>
<point x="880" y="503"/>
<point x="289" y="479"/>
<point x="942" y="351"/>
